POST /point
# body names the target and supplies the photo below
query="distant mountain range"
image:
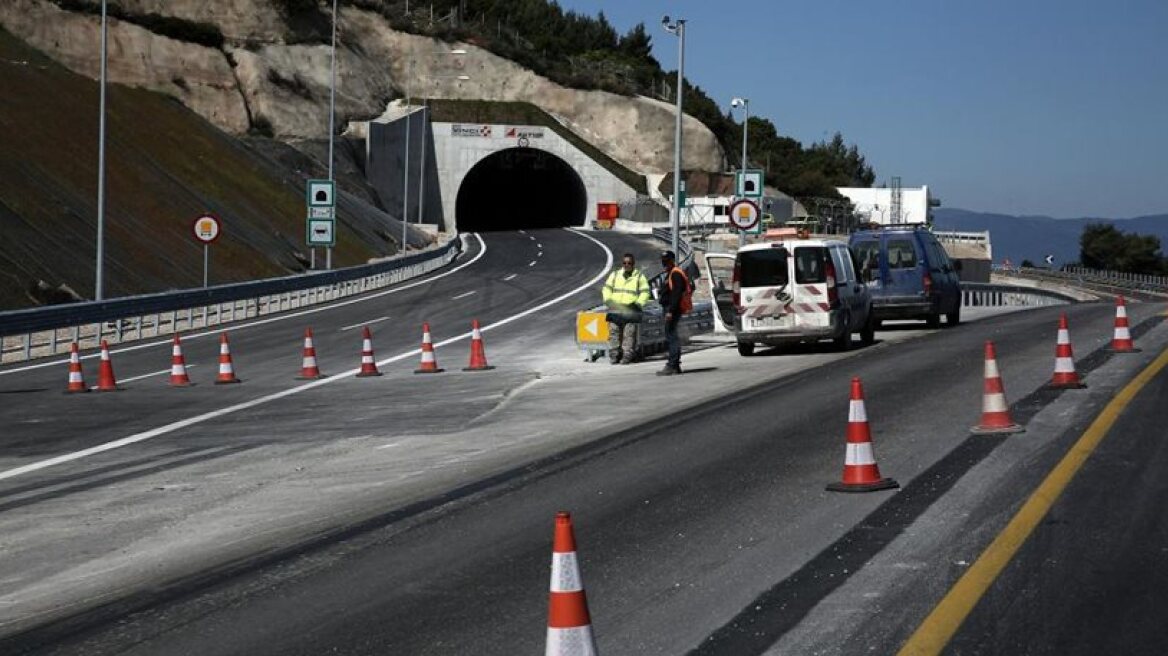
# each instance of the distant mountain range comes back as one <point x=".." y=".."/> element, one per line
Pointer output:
<point x="1032" y="238"/>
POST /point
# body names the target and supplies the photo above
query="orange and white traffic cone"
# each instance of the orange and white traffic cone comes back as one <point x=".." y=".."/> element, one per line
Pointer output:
<point x="995" y="411"/>
<point x="76" y="380"/>
<point x="429" y="360"/>
<point x="569" y="625"/>
<point x="368" y="364"/>
<point x="478" y="353"/>
<point x="1065" y="376"/>
<point x="178" y="365"/>
<point x="308" y="369"/>
<point x="860" y="471"/>
<point x="226" y="366"/>
<point x="1122" y="342"/>
<point x="106" y="381"/>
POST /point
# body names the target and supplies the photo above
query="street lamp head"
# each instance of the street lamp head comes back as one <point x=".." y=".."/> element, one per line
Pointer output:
<point x="739" y="102"/>
<point x="672" y="26"/>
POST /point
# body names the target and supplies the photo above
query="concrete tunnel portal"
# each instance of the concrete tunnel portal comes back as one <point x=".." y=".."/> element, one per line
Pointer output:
<point x="518" y="189"/>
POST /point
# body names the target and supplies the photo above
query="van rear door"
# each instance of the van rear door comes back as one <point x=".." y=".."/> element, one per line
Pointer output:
<point x="905" y="268"/>
<point x="762" y="282"/>
<point x="809" y="293"/>
<point x="720" y="273"/>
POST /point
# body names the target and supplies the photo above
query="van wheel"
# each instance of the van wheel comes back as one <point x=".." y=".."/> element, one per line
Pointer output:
<point x="844" y="341"/>
<point x="746" y="349"/>
<point x="868" y="332"/>
<point x="953" y="318"/>
<point x="933" y="320"/>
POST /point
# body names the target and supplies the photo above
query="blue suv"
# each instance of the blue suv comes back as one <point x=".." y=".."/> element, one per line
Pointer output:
<point x="909" y="275"/>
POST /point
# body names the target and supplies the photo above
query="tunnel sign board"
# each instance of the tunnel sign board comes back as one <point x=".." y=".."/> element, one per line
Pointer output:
<point x="744" y="214"/>
<point x="591" y="328"/>
<point x="321" y="232"/>
<point x="749" y="183"/>
<point x="519" y="132"/>
<point x="457" y="130"/>
<point x="321" y="201"/>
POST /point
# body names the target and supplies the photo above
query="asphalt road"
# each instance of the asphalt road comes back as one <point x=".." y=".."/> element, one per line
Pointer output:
<point x="709" y="531"/>
<point x="518" y="271"/>
<point x="1093" y="577"/>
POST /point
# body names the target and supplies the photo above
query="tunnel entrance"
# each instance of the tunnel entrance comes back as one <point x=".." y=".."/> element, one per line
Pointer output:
<point x="520" y="188"/>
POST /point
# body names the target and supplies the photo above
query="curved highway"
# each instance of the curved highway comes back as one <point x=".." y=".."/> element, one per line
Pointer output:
<point x="702" y="520"/>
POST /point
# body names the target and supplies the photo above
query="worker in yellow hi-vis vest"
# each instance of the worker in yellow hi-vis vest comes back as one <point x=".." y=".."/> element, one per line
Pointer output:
<point x="626" y="291"/>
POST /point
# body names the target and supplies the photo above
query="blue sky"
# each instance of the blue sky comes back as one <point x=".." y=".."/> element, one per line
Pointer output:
<point x="1031" y="107"/>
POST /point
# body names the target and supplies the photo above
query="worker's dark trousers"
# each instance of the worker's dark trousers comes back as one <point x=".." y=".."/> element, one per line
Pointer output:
<point x="673" y="342"/>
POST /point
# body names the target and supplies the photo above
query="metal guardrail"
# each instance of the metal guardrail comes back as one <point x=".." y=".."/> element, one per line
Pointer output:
<point x="979" y="294"/>
<point x="37" y="332"/>
<point x="1159" y="283"/>
<point x="1112" y="281"/>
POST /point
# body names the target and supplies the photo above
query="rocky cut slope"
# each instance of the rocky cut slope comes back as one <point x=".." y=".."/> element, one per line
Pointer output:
<point x="262" y="65"/>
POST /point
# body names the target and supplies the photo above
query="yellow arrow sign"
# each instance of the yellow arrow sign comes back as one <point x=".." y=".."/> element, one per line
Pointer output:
<point x="591" y="328"/>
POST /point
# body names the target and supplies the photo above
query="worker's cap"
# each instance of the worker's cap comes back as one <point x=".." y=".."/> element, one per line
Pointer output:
<point x="668" y="255"/>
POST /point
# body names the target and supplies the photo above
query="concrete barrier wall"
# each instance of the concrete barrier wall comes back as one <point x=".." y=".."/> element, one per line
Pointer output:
<point x="384" y="156"/>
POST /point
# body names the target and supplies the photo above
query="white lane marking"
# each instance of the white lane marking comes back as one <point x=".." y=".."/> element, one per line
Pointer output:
<point x="156" y="373"/>
<point x="539" y="254"/>
<point x="523" y="232"/>
<point x="510" y="277"/>
<point x="387" y="446"/>
<point x="215" y="414"/>
<point x="531" y="238"/>
<point x="538" y="245"/>
<point x="260" y="322"/>
<point x="531" y="263"/>
<point x="365" y="323"/>
<point x="473" y="291"/>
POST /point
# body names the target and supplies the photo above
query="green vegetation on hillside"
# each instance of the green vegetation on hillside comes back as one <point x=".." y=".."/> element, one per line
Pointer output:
<point x="165" y="166"/>
<point x="1103" y="246"/>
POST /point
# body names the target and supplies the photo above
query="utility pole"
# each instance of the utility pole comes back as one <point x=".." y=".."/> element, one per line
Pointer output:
<point x="678" y="28"/>
<point x="744" y="103"/>
<point x="328" y="252"/>
<point x="99" y="286"/>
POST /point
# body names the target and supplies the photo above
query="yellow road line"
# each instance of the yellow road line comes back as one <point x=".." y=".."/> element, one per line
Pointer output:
<point x="942" y="623"/>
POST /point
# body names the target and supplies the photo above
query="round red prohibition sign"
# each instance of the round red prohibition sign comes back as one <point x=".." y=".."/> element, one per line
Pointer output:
<point x="206" y="228"/>
<point x="744" y="214"/>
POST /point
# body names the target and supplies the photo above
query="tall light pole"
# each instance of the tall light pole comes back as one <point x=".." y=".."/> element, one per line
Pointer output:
<point x="98" y="290"/>
<point x="328" y="252"/>
<point x="677" y="27"/>
<point x="744" y="103"/>
<point x="406" y="161"/>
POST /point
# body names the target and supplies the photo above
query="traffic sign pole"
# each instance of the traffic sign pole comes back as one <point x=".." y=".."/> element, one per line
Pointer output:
<point x="321" y="213"/>
<point x="206" y="229"/>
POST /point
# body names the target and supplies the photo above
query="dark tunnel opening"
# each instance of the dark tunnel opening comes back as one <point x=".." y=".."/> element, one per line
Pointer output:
<point x="520" y="188"/>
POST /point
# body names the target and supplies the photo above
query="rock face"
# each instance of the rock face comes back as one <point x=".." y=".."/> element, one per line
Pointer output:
<point x="260" y="80"/>
<point x="200" y="77"/>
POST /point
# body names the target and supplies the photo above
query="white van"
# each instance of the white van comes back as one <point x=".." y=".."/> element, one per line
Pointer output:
<point x="789" y="290"/>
